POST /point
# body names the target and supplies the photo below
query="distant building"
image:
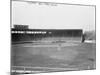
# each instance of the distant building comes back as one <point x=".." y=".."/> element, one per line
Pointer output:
<point x="21" y="26"/>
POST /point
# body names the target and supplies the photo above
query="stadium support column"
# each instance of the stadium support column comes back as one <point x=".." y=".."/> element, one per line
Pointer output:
<point x="83" y="38"/>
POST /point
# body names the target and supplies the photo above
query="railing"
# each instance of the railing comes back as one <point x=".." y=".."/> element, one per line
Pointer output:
<point x="30" y="70"/>
<point x="24" y="69"/>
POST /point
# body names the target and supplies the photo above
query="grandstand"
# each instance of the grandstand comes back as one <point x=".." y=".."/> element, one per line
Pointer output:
<point x="21" y="33"/>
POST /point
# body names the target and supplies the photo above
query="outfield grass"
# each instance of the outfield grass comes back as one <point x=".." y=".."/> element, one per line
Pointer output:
<point x="69" y="55"/>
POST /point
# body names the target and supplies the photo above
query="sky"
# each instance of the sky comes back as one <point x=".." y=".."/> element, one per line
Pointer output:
<point x="53" y="17"/>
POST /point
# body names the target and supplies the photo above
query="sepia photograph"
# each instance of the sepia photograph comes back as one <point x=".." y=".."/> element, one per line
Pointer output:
<point x="52" y="37"/>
